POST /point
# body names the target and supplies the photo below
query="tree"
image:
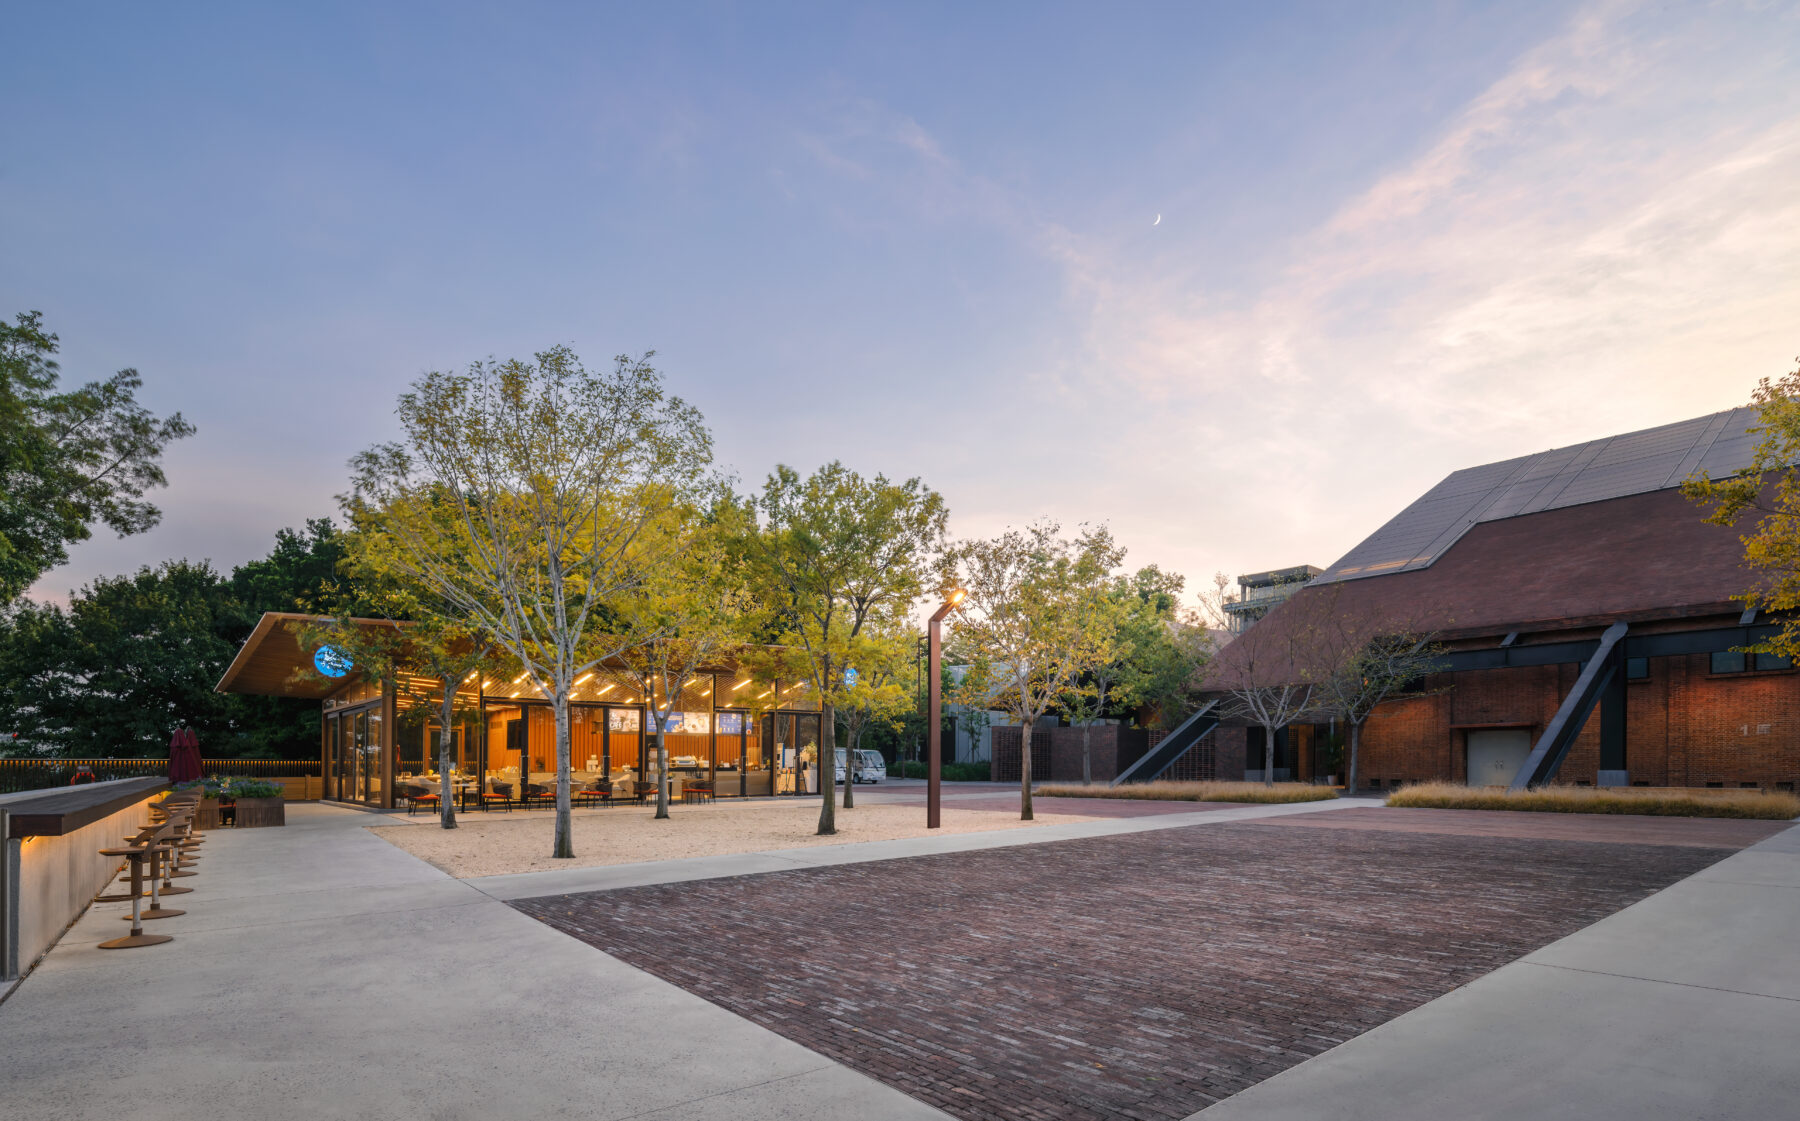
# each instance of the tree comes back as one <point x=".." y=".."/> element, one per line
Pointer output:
<point x="1149" y="653"/>
<point x="132" y="658"/>
<point x="879" y="691"/>
<point x="1269" y="676"/>
<point x="1035" y="615"/>
<point x="69" y="460"/>
<point x="832" y="552"/>
<point x="1092" y="694"/>
<point x="684" y="616"/>
<point x="1773" y="546"/>
<point x="423" y="632"/>
<point x="1169" y="646"/>
<point x="1368" y="670"/>
<point x="552" y="477"/>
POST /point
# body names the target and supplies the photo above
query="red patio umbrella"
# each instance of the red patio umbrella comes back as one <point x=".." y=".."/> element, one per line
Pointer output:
<point x="184" y="756"/>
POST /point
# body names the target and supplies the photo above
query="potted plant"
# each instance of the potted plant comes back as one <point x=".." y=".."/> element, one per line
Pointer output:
<point x="207" y="814"/>
<point x="259" y="802"/>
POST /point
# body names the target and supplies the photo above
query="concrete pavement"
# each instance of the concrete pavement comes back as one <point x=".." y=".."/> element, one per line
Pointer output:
<point x="322" y="973"/>
<point x="1685" y="1005"/>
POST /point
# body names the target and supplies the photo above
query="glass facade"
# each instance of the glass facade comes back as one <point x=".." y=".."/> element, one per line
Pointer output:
<point x="504" y="739"/>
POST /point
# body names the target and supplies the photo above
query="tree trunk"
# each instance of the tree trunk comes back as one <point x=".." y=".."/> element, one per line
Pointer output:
<point x="1087" y="751"/>
<point x="1024" y="770"/>
<point x="565" y="836"/>
<point x="447" y="741"/>
<point x="1268" y="756"/>
<point x="849" y="765"/>
<point x="1350" y="768"/>
<point x="662" y="763"/>
<point x="827" y="751"/>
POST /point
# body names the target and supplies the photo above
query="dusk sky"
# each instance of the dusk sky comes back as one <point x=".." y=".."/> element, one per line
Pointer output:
<point x="1395" y="240"/>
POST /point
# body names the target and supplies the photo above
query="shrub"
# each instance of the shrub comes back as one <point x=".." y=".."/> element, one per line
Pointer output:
<point x="949" y="772"/>
<point x="1281" y="792"/>
<point x="1657" y="802"/>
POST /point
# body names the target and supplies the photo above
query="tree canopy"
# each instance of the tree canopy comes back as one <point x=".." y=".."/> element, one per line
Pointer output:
<point x="134" y="657"/>
<point x="829" y="554"/>
<point x="69" y="460"/>
<point x="1769" y="491"/>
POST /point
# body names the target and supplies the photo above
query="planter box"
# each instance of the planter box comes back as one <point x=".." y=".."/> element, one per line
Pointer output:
<point x="207" y="815"/>
<point x="254" y="813"/>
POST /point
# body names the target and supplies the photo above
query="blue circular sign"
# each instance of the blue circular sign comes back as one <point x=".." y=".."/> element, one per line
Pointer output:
<point x="332" y="662"/>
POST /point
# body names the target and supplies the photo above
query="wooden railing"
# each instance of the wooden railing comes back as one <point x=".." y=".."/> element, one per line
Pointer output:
<point x="42" y="774"/>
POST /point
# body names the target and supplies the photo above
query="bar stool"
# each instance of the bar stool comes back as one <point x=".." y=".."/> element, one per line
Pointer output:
<point x="137" y="937"/>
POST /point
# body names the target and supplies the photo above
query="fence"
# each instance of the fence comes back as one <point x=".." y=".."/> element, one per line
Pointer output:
<point x="43" y="774"/>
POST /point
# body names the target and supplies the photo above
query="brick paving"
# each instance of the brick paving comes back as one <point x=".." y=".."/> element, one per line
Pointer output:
<point x="1134" y="977"/>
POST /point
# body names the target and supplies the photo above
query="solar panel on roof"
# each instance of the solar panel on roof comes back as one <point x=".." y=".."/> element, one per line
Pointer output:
<point x="1612" y="467"/>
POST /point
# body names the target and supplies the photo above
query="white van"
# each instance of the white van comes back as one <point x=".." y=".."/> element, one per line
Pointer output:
<point x="870" y="766"/>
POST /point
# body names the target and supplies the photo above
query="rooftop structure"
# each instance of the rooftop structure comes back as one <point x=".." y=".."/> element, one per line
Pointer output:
<point x="1259" y="591"/>
<point x="1653" y="459"/>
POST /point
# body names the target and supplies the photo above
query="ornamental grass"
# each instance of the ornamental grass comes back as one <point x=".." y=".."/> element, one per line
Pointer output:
<point x="1656" y="802"/>
<point x="1281" y="792"/>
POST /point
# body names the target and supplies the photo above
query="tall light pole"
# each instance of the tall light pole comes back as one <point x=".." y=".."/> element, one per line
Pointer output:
<point x="934" y="712"/>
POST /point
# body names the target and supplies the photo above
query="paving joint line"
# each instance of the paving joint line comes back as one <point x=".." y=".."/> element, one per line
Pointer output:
<point x="827" y="1065"/>
<point x="1654" y="980"/>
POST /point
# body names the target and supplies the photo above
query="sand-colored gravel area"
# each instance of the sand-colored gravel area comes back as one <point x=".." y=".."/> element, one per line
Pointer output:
<point x="492" y="845"/>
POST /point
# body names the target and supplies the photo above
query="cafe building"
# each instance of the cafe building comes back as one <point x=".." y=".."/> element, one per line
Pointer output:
<point x="739" y="736"/>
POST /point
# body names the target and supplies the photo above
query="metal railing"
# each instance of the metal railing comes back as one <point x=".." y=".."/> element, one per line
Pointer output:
<point x="42" y="774"/>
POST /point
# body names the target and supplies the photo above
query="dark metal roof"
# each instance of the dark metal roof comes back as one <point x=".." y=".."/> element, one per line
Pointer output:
<point x="1613" y="467"/>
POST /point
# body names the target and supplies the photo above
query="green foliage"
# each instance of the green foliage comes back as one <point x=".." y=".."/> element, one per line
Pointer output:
<point x="831" y="555"/>
<point x="69" y="460"/>
<point x="949" y="772"/>
<point x="232" y="786"/>
<point x="1035" y="617"/>
<point x="1772" y="548"/>
<point x="132" y="658"/>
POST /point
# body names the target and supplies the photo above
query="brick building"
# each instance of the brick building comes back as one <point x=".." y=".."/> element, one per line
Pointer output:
<point x="1586" y="612"/>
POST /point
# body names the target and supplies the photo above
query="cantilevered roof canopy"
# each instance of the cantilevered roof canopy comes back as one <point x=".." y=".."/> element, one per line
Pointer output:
<point x="1613" y="467"/>
<point x="273" y="663"/>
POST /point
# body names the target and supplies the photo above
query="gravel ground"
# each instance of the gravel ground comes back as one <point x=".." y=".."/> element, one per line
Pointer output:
<point x="491" y="845"/>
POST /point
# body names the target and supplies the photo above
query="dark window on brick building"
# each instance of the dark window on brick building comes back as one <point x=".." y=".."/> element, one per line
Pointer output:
<point x="1637" y="669"/>
<point x="1727" y="661"/>
<point x="1773" y="661"/>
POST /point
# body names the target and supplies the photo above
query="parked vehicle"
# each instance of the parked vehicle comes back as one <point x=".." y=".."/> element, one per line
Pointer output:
<point x="870" y="766"/>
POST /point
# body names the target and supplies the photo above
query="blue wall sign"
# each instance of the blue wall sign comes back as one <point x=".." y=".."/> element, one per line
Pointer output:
<point x="849" y="677"/>
<point x="332" y="662"/>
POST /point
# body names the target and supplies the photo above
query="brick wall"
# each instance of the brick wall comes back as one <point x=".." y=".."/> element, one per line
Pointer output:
<point x="1684" y="725"/>
<point x="1056" y="752"/>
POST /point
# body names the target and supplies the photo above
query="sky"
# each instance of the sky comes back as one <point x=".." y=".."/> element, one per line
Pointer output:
<point x="1395" y="240"/>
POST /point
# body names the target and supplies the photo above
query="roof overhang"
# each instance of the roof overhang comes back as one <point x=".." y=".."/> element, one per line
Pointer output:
<point x="273" y="662"/>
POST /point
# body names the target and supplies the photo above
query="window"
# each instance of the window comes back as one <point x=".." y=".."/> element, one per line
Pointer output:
<point x="1637" y="669"/>
<point x="1727" y="661"/>
<point x="1731" y="661"/>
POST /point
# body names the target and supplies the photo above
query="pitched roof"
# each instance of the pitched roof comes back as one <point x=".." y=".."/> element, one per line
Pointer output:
<point x="1653" y="459"/>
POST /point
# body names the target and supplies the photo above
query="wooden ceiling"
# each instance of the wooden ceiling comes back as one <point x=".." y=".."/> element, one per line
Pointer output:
<point x="273" y="663"/>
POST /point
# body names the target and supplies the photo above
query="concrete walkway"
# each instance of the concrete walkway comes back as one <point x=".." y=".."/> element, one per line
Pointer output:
<point x="321" y="972"/>
<point x="1683" y="1006"/>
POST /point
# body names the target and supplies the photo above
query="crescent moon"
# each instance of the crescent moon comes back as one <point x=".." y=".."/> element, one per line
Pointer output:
<point x="1158" y="221"/>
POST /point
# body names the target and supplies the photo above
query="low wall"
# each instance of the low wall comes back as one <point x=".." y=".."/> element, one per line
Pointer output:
<point x="51" y="867"/>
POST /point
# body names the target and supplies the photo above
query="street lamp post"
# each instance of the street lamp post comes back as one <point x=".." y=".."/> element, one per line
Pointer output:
<point x="934" y="712"/>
